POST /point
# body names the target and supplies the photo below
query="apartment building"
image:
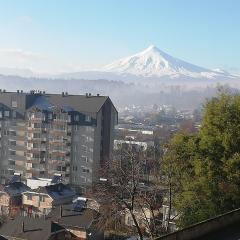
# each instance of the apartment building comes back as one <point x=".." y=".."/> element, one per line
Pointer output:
<point x="44" y="134"/>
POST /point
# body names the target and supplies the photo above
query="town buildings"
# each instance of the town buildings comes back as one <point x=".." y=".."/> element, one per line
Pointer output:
<point x="41" y="201"/>
<point x="11" y="198"/>
<point x="43" y="134"/>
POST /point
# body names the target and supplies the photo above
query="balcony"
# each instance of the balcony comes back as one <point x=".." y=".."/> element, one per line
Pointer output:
<point x="36" y="139"/>
<point x="17" y="138"/>
<point x="17" y="128"/>
<point x="39" y="168"/>
<point x="40" y="160"/>
<point x="36" y="119"/>
<point x="17" y="158"/>
<point x="16" y="167"/>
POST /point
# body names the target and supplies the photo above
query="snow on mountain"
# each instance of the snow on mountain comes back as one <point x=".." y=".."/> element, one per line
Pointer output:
<point x="153" y="62"/>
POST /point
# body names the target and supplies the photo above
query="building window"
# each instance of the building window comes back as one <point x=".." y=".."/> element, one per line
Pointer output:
<point x="50" y="116"/>
<point x="76" y="118"/>
<point x="74" y="168"/>
<point x="14" y="104"/>
<point x="13" y="143"/>
<point x="12" y="153"/>
<point x="14" y="114"/>
<point x="29" y="196"/>
<point x="84" y="148"/>
<point x="42" y="198"/>
<point x="83" y="179"/>
<point x="1" y="114"/>
<point x="88" y="118"/>
<point x="6" y="113"/>
<point x="85" y="158"/>
<point x="86" y="170"/>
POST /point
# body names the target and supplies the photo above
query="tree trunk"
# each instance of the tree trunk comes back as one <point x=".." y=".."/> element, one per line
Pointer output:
<point x="170" y="206"/>
<point x="137" y="226"/>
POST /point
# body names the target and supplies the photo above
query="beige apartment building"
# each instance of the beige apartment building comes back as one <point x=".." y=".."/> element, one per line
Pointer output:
<point x="43" y="134"/>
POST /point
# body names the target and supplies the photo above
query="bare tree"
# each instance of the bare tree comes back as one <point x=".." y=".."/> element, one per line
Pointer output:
<point x="122" y="189"/>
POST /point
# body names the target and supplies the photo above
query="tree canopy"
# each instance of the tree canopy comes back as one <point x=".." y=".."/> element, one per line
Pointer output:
<point x="206" y="165"/>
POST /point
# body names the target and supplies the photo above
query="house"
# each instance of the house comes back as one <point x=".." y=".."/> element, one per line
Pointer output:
<point x="29" y="228"/>
<point x="167" y="223"/>
<point x="11" y="197"/>
<point x="78" y="219"/>
<point x="143" y="217"/>
<point x="40" y="201"/>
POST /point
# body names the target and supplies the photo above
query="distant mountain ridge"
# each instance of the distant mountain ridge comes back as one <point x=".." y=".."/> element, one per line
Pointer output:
<point x="154" y="62"/>
<point x="151" y="63"/>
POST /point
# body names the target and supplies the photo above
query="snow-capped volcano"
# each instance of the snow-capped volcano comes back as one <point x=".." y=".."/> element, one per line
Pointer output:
<point x="153" y="62"/>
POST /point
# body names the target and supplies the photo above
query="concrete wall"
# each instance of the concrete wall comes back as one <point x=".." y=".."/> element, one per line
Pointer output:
<point x="82" y="155"/>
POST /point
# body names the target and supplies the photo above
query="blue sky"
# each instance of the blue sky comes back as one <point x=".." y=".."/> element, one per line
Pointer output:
<point x="75" y="34"/>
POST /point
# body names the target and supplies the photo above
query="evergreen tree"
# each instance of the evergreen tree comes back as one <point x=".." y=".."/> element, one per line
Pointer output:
<point x="207" y="164"/>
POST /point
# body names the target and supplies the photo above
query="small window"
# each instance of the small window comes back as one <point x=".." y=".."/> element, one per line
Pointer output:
<point x="12" y="153"/>
<point x="84" y="148"/>
<point x="14" y="104"/>
<point x="88" y="118"/>
<point x="29" y="197"/>
<point x="13" y="143"/>
<point x="14" y="114"/>
<point x="42" y="198"/>
<point x="86" y="170"/>
<point x="6" y="113"/>
<point x="76" y="118"/>
<point x="83" y="179"/>
<point x="85" y="158"/>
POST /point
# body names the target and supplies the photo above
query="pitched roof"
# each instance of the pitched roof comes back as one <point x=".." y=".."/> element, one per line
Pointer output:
<point x="56" y="191"/>
<point x="71" y="218"/>
<point x="15" y="188"/>
<point x="82" y="103"/>
<point x="34" y="228"/>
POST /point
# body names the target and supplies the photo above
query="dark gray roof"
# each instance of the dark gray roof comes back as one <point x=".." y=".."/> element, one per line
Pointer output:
<point x="82" y="103"/>
<point x="35" y="228"/>
<point x="79" y="103"/>
<point x="2" y="238"/>
<point x="57" y="191"/>
<point x="15" y="188"/>
<point x="71" y="218"/>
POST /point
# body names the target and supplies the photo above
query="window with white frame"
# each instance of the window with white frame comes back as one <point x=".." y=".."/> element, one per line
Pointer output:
<point x="76" y="118"/>
<point x="6" y="113"/>
<point x="14" y="104"/>
<point x="88" y="118"/>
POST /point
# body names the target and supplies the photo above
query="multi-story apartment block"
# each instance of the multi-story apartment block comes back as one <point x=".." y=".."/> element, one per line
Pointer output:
<point x="44" y="134"/>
